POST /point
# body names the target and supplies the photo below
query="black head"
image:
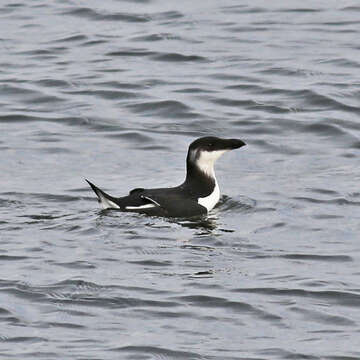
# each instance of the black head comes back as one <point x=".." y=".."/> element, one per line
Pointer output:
<point x="212" y="143"/>
<point x="203" y="152"/>
<point x="201" y="157"/>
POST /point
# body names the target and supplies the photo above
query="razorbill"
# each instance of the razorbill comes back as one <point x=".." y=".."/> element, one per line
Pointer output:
<point x="196" y="196"/>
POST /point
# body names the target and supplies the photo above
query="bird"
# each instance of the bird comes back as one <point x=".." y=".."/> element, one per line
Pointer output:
<point x="195" y="197"/>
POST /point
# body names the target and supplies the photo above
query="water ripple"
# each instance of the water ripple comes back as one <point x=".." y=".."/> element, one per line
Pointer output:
<point x="158" y="352"/>
<point x="343" y="298"/>
<point x="91" y="14"/>
<point x="116" y="91"/>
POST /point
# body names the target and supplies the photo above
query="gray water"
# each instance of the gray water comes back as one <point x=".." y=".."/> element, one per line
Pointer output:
<point x="115" y="91"/>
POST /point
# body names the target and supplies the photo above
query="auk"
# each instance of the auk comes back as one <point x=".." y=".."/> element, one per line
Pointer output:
<point x="196" y="196"/>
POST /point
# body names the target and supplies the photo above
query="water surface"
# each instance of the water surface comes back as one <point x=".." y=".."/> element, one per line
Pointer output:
<point x="115" y="92"/>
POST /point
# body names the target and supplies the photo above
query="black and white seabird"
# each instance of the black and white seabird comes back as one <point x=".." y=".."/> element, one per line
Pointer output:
<point x="196" y="196"/>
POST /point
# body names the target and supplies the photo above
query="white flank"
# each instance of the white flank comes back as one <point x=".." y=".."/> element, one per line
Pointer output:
<point x="211" y="200"/>
<point x="146" y="206"/>
<point x="106" y="203"/>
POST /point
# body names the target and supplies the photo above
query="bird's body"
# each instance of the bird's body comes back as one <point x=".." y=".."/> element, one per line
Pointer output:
<point x="196" y="196"/>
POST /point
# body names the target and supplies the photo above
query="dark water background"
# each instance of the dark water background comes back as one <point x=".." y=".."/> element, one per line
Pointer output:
<point x="115" y="91"/>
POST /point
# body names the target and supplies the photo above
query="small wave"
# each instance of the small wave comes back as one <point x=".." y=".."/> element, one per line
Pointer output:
<point x="9" y="202"/>
<point x="130" y="52"/>
<point x="241" y="203"/>
<point x="323" y="129"/>
<point x="166" y="15"/>
<point x="76" y="265"/>
<point x="329" y="103"/>
<point x="253" y="88"/>
<point x="73" y="38"/>
<point x="132" y="137"/>
<point x="324" y="191"/>
<point x="239" y="78"/>
<point x="151" y="263"/>
<point x="163" y="353"/>
<point x="77" y="285"/>
<point x="27" y="96"/>
<point x="344" y="298"/>
<point x="279" y="353"/>
<point x="243" y="9"/>
<point x="247" y="29"/>
<point x="311" y="257"/>
<point x="205" y="301"/>
<point x="167" y="105"/>
<point x="341" y="62"/>
<point x="341" y="23"/>
<point x="164" y="108"/>
<point x="280" y="149"/>
<point x="106" y="94"/>
<point x="120" y="85"/>
<point x="12" y="257"/>
<point x="14" y="118"/>
<point x="300" y="10"/>
<point x="45" y="53"/>
<point x="251" y="105"/>
<point x="202" y="224"/>
<point x="43" y="196"/>
<point x="323" y="317"/>
<point x="194" y="90"/>
<point x="66" y="325"/>
<point x="338" y="201"/>
<point x="25" y="339"/>
<point x="91" y="43"/>
<point x="102" y="16"/>
<point x="156" y="37"/>
<point x="327" y="216"/>
<point x="351" y="8"/>
<point x="52" y="83"/>
<point x="176" y="57"/>
<point x="17" y="90"/>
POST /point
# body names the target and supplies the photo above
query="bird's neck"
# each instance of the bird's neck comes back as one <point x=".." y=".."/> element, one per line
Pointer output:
<point x="200" y="180"/>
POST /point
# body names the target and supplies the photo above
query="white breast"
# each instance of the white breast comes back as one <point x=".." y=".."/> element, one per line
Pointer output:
<point x="211" y="200"/>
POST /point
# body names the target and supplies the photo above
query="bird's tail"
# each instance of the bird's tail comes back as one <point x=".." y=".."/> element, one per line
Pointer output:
<point x="106" y="201"/>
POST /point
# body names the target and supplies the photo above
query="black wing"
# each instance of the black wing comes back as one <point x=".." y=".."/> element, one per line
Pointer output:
<point x="137" y="190"/>
<point x="174" y="205"/>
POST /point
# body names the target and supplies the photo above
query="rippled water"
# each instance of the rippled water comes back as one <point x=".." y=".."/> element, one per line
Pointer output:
<point x="115" y="91"/>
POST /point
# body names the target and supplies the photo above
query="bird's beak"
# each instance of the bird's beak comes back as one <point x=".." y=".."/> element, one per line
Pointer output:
<point x="234" y="143"/>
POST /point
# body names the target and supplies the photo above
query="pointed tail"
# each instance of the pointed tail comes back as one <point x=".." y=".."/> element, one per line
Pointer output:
<point x="106" y="201"/>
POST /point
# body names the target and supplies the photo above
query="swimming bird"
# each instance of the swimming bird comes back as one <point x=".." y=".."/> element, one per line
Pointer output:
<point x="196" y="196"/>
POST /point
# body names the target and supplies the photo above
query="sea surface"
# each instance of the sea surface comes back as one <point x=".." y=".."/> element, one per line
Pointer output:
<point x="115" y="91"/>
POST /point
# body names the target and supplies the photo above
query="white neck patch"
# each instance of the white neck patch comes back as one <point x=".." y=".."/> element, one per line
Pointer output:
<point x="205" y="162"/>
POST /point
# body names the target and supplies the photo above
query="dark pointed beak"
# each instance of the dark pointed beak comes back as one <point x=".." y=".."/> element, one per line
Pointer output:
<point x="234" y="143"/>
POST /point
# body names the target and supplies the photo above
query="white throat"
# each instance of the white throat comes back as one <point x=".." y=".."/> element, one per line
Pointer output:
<point x="205" y="162"/>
